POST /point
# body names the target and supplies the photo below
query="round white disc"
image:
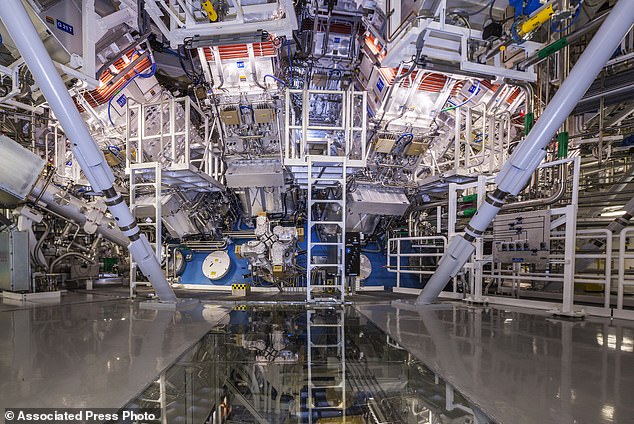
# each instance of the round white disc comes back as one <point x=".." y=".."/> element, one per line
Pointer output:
<point x="216" y="265"/>
<point x="365" y="269"/>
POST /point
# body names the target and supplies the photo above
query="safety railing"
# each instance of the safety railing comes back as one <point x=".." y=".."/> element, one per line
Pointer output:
<point x="161" y="132"/>
<point x="331" y="123"/>
<point x="610" y="269"/>
<point x="625" y="264"/>
<point x="583" y="256"/>
<point x="405" y="255"/>
<point x="603" y="258"/>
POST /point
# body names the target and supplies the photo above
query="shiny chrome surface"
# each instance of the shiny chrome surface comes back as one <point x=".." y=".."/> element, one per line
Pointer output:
<point x="90" y="352"/>
<point x="520" y="366"/>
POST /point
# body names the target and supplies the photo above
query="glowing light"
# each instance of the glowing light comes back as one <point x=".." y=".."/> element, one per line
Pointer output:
<point x="612" y="211"/>
<point x="627" y="343"/>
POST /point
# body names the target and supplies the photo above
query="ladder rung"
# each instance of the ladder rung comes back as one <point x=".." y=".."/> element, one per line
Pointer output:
<point x="325" y="201"/>
<point x="325" y="159"/>
<point x="324" y="179"/>
<point x="328" y="407"/>
<point x="317" y="221"/>
<point x="325" y="345"/>
<point x="340" y="223"/>
<point x="319" y="286"/>
<point x="324" y="243"/>
<point x="320" y="369"/>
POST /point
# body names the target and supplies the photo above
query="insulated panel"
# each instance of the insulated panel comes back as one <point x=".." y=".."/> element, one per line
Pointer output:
<point x="19" y="170"/>
<point x="377" y="201"/>
<point x="257" y="173"/>
<point x="15" y="269"/>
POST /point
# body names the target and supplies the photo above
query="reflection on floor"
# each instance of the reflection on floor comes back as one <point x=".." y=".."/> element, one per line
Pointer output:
<point x="521" y="366"/>
<point x="90" y="350"/>
<point x="376" y="362"/>
<point x="292" y="364"/>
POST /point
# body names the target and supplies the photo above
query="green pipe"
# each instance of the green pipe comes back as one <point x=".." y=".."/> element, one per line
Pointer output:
<point x="468" y="212"/>
<point x="552" y="48"/>
<point x="562" y="145"/>
<point x="469" y="198"/>
<point x="529" y="121"/>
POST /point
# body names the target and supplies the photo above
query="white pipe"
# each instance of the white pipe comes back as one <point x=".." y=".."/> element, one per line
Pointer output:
<point x="527" y="156"/>
<point x="72" y="208"/>
<point x="91" y="160"/>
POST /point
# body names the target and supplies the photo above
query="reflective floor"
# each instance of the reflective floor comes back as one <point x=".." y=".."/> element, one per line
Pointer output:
<point x="89" y="350"/>
<point x="520" y="366"/>
<point x="372" y="363"/>
<point x="296" y="365"/>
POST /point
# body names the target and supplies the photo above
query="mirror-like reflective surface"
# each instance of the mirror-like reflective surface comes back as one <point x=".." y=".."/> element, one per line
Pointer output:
<point x="90" y="351"/>
<point x="521" y="366"/>
<point x="297" y="365"/>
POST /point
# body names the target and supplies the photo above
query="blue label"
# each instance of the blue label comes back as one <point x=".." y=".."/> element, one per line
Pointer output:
<point x="474" y="89"/>
<point x="380" y="85"/>
<point x="122" y="100"/>
<point x="240" y="65"/>
<point x="518" y="259"/>
<point x="337" y="40"/>
<point x="63" y="26"/>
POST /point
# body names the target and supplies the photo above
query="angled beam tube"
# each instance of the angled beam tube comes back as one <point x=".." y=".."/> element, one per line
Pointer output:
<point x="85" y="151"/>
<point x="528" y="155"/>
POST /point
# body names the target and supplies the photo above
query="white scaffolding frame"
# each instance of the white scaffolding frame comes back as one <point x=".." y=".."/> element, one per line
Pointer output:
<point x="296" y="138"/>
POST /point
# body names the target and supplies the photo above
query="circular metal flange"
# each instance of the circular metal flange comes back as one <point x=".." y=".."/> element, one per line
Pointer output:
<point x="365" y="269"/>
<point x="216" y="265"/>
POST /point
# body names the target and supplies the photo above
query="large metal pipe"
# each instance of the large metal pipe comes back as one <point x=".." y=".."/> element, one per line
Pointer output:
<point x="72" y="208"/>
<point x="528" y="155"/>
<point x="561" y="190"/>
<point x="85" y="151"/>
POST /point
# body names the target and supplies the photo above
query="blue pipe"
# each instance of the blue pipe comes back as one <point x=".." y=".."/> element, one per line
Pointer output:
<point x="555" y="26"/>
<point x="136" y="74"/>
<point x="275" y="78"/>
<point x="399" y="148"/>
<point x="114" y="150"/>
<point x="290" y="63"/>
<point x="466" y="101"/>
<point x="242" y="107"/>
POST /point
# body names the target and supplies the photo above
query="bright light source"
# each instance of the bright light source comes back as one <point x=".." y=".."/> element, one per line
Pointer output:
<point x="607" y="412"/>
<point x="613" y="211"/>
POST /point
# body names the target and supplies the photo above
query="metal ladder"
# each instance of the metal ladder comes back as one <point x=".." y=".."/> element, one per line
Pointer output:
<point x="328" y="290"/>
<point x="146" y="175"/>
<point x="329" y="344"/>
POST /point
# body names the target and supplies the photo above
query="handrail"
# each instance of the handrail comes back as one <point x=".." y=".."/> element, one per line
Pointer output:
<point x="397" y="244"/>
<point x="623" y="255"/>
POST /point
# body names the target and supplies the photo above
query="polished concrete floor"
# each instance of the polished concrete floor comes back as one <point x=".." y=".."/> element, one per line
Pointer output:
<point x="90" y="350"/>
<point x="519" y="366"/>
<point x="98" y="349"/>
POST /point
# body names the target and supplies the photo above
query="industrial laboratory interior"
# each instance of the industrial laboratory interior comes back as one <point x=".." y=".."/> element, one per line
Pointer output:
<point x="318" y="211"/>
